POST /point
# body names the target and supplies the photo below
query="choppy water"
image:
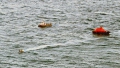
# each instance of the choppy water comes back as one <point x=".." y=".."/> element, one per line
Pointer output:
<point x="69" y="43"/>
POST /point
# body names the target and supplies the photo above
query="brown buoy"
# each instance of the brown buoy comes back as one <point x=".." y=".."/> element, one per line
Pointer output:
<point x="43" y="25"/>
<point x="21" y="51"/>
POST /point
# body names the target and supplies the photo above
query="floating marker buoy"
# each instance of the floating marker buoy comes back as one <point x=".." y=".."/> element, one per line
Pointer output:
<point x="21" y="51"/>
<point x="43" y="25"/>
<point x="100" y="31"/>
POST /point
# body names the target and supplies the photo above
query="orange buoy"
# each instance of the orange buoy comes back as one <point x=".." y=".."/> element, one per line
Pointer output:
<point x="100" y="31"/>
<point x="43" y="25"/>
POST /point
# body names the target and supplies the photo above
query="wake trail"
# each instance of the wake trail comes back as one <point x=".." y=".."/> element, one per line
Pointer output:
<point x="70" y="42"/>
<point x="40" y="47"/>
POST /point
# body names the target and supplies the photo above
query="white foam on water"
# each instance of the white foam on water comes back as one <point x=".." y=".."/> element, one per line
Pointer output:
<point x="70" y="42"/>
<point x="105" y="13"/>
<point x="42" y="46"/>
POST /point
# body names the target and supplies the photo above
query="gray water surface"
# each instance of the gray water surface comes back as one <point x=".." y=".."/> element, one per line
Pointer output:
<point x="69" y="42"/>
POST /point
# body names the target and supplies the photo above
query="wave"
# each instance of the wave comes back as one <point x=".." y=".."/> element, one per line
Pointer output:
<point x="104" y="13"/>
